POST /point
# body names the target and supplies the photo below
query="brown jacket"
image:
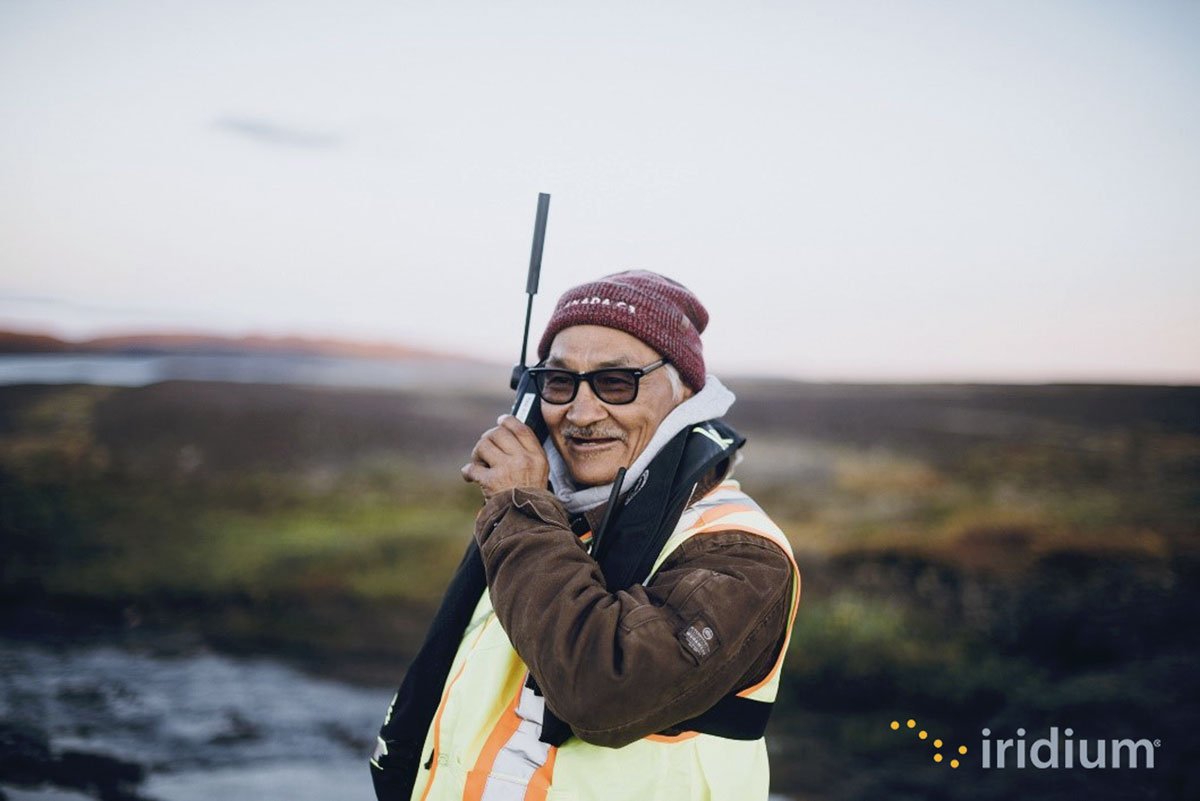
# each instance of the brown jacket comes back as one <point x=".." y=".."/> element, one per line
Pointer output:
<point x="616" y="666"/>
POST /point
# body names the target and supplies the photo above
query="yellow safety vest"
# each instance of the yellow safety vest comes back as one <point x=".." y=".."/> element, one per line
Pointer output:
<point x="484" y="736"/>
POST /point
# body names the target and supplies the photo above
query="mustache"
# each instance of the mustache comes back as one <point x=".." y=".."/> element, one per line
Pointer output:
<point x="591" y="432"/>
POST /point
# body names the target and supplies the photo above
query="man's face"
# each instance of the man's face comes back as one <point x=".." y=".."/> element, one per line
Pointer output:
<point x="596" y="438"/>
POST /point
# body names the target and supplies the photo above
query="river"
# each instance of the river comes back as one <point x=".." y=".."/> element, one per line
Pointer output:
<point x="136" y="370"/>
<point x="205" y="726"/>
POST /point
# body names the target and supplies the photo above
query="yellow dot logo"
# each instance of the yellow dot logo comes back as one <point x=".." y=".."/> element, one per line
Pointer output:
<point x="922" y="734"/>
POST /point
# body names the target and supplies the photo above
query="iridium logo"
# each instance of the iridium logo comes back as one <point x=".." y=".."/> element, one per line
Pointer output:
<point x="1053" y="751"/>
<point x="937" y="743"/>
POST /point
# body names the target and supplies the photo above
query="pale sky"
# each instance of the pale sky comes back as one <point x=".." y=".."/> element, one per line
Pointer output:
<point x="865" y="191"/>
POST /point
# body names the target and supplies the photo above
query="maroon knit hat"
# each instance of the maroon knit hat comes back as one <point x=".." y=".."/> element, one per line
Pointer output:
<point x="660" y="312"/>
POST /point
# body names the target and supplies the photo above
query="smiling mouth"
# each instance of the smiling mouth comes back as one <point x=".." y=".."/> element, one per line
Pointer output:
<point x="589" y="444"/>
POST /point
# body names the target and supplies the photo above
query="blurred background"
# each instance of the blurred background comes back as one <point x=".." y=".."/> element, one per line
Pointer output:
<point x="261" y="276"/>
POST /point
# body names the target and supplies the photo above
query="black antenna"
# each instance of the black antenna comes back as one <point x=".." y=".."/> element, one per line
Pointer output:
<point x="609" y="512"/>
<point x="531" y="283"/>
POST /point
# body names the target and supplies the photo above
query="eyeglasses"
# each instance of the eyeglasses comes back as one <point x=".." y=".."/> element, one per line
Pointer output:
<point x="615" y="385"/>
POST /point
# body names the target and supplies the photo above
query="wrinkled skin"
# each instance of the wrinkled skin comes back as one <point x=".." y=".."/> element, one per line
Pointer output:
<point x="594" y="438"/>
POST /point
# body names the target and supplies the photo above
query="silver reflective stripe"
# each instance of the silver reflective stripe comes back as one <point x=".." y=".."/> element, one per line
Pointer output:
<point x="522" y="755"/>
<point x="380" y="750"/>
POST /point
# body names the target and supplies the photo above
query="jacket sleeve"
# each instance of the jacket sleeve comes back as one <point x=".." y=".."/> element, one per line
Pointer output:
<point x="619" y="666"/>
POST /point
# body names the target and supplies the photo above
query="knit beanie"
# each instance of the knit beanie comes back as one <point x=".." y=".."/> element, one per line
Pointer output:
<point x="660" y="312"/>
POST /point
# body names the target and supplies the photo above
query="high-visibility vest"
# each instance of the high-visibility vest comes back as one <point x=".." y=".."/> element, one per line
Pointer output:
<point x="483" y="743"/>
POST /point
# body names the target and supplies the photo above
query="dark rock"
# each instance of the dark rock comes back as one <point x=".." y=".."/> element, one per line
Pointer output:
<point x="27" y="760"/>
<point x="108" y="777"/>
<point x="25" y="756"/>
<point x="83" y="697"/>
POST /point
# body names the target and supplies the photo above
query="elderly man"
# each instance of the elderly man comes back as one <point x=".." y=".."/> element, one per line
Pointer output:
<point x="623" y="653"/>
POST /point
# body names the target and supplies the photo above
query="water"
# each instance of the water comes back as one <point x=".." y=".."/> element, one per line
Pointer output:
<point x="205" y="726"/>
<point x="141" y="370"/>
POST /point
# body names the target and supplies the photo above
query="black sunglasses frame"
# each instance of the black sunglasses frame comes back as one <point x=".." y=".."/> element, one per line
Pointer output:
<point x="635" y="373"/>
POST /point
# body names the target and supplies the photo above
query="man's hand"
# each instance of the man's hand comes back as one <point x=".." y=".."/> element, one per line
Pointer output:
<point x="506" y="457"/>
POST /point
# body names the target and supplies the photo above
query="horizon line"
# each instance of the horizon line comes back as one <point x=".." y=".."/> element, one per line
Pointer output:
<point x="390" y="349"/>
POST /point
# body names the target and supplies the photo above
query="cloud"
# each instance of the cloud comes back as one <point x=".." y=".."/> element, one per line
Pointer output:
<point x="270" y="133"/>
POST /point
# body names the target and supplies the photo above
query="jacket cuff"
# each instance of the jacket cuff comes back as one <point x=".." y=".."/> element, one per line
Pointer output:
<point x="530" y="502"/>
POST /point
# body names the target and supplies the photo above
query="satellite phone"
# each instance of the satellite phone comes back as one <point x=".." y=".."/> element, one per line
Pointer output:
<point x="525" y="406"/>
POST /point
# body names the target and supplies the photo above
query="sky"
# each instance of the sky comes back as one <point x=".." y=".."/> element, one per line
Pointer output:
<point x="874" y="191"/>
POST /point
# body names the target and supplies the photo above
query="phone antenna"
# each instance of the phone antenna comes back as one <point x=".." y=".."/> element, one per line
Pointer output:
<point x="531" y="283"/>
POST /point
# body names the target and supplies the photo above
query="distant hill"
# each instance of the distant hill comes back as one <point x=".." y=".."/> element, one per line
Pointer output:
<point x="168" y="343"/>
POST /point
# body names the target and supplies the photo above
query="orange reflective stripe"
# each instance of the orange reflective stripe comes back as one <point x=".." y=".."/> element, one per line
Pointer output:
<point x="501" y="732"/>
<point x="672" y="738"/>
<point x="717" y="512"/>
<point x="511" y="746"/>
<point x="437" y="720"/>
<point x="539" y="783"/>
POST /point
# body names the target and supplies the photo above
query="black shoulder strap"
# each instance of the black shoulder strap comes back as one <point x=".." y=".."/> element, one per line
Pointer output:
<point x="397" y="755"/>
<point x="733" y="717"/>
